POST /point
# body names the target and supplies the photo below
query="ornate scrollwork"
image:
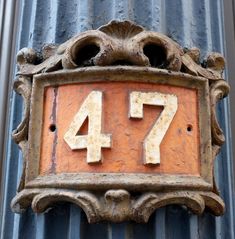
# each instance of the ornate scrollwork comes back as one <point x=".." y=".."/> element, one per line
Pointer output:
<point x="23" y="87"/>
<point x="214" y="64"/>
<point x="218" y="91"/>
<point x="117" y="205"/>
<point x="118" y="43"/>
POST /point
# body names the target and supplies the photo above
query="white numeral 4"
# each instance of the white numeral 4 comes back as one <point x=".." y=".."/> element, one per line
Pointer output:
<point x="154" y="138"/>
<point x="94" y="140"/>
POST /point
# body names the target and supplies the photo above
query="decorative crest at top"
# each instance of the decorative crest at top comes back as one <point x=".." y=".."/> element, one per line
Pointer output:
<point x="120" y="43"/>
<point x="121" y="30"/>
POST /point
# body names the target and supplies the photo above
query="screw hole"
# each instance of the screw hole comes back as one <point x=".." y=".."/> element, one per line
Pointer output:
<point x="189" y="128"/>
<point x="52" y="128"/>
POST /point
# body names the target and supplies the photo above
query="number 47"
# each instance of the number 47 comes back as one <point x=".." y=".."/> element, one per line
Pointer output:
<point x="95" y="140"/>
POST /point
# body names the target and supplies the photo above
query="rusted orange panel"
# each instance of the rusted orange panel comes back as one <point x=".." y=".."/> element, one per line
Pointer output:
<point x="179" y="148"/>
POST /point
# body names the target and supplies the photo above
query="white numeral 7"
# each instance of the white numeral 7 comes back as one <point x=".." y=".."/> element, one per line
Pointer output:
<point x="154" y="138"/>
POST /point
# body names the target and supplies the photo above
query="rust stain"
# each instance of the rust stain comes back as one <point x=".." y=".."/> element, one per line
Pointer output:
<point x="53" y="129"/>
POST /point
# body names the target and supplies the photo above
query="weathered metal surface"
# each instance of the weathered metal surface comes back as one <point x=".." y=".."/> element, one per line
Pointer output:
<point x="198" y="23"/>
<point x="127" y="134"/>
<point x="118" y="43"/>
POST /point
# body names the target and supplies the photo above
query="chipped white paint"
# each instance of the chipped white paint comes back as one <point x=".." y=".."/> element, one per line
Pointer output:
<point x="154" y="138"/>
<point x="94" y="140"/>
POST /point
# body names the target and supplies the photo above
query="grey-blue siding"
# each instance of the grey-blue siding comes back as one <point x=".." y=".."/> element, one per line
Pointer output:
<point x="198" y="23"/>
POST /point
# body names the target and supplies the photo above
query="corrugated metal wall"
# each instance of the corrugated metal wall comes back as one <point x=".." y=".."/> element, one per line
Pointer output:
<point x="191" y="23"/>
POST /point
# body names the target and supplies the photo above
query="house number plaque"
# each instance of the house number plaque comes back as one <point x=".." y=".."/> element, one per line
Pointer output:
<point x="120" y="121"/>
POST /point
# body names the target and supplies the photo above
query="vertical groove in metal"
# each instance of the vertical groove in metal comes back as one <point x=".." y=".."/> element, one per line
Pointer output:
<point x="174" y="20"/>
<point x="228" y="36"/>
<point x="75" y="219"/>
<point x="160" y="224"/>
<point x="102" y="13"/>
<point x="187" y="23"/>
<point x="193" y="227"/>
<point x="122" y="10"/>
<point x="10" y="11"/>
<point x="224" y="163"/>
<point x="143" y="13"/>
<point x="40" y="226"/>
<point x="56" y="222"/>
<point x="191" y="23"/>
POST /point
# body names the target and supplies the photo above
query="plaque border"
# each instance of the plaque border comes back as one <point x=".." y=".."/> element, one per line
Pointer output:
<point x="121" y="74"/>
